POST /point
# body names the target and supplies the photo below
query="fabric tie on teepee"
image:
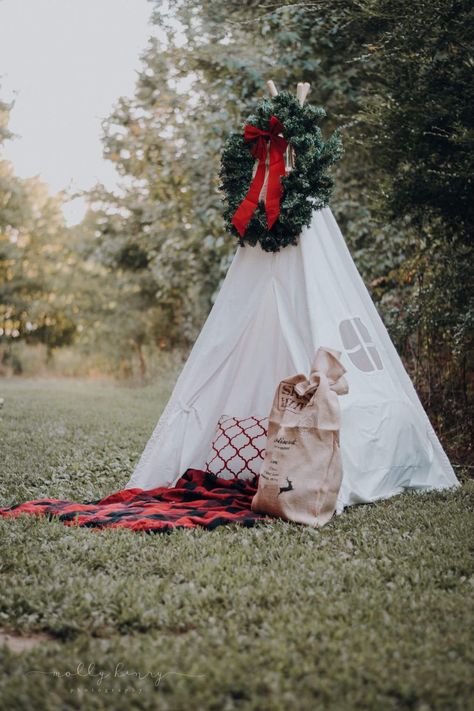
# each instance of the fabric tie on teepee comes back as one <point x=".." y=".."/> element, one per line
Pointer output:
<point x="327" y="381"/>
<point x="264" y="140"/>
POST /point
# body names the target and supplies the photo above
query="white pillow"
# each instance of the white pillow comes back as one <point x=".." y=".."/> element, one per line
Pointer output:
<point x="238" y="448"/>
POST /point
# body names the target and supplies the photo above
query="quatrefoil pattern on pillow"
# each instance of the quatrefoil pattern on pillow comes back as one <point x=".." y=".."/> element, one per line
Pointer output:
<point x="238" y="448"/>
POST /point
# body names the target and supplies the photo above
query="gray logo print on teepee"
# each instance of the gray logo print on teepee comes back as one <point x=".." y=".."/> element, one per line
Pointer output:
<point x="359" y="345"/>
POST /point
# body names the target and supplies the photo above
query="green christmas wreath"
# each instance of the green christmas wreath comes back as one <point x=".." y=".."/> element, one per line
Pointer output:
<point x="279" y="130"/>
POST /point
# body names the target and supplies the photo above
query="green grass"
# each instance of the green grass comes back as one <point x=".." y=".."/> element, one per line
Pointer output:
<point x="372" y="612"/>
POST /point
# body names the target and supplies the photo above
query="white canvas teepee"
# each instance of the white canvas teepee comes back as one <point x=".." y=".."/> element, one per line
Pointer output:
<point x="272" y="313"/>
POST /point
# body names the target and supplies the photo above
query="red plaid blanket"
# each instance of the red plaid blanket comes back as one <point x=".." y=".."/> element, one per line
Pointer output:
<point x="198" y="499"/>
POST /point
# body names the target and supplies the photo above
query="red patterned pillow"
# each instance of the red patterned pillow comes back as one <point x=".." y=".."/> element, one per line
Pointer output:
<point x="238" y="448"/>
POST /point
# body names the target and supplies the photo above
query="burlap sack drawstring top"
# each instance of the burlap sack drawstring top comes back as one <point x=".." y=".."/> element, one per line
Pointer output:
<point x="302" y="471"/>
<point x="326" y="382"/>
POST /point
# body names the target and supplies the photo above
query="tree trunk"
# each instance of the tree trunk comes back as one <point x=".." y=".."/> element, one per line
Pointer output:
<point x="141" y="358"/>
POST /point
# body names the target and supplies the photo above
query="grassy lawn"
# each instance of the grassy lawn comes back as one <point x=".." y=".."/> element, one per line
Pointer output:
<point x="372" y="612"/>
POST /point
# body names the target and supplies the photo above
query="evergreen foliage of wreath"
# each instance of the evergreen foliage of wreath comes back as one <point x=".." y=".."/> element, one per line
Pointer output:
<point x="305" y="188"/>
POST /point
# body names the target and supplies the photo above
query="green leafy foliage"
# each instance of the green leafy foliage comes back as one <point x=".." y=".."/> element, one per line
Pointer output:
<point x="41" y="266"/>
<point x="35" y="266"/>
<point x="396" y="76"/>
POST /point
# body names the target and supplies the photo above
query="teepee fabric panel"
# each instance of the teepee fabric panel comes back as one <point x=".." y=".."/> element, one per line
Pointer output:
<point x="387" y="441"/>
<point x="272" y="313"/>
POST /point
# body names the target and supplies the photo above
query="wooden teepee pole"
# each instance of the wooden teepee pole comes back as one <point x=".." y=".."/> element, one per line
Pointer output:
<point x="272" y="88"/>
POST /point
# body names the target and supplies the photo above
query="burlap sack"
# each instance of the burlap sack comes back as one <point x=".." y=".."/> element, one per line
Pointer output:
<point x="302" y="471"/>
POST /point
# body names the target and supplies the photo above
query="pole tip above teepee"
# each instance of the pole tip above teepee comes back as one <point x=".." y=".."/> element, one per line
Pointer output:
<point x="302" y="90"/>
<point x="272" y="88"/>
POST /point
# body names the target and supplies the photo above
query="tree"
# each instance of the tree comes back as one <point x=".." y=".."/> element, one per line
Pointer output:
<point x="165" y="228"/>
<point x="420" y="135"/>
<point x="34" y="261"/>
<point x="395" y="74"/>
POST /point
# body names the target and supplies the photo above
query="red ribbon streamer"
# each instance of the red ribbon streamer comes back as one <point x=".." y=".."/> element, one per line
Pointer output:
<point x="276" y="168"/>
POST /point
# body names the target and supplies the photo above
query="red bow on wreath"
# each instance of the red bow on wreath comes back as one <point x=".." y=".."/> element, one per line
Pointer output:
<point x="276" y="168"/>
